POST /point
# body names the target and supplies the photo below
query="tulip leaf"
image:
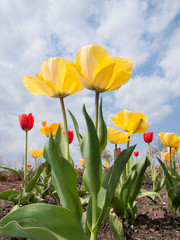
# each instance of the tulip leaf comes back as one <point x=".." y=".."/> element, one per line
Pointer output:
<point x="160" y="184"/>
<point x="140" y="168"/>
<point x="116" y="226"/>
<point x="13" y="170"/>
<point x="108" y="186"/>
<point x="10" y="195"/>
<point x="90" y="151"/>
<point x="102" y="130"/>
<point x="42" y="221"/>
<point x="152" y="195"/>
<point x="33" y="181"/>
<point x="168" y="176"/>
<point x="64" y="177"/>
<point x="60" y="141"/>
<point x="76" y="126"/>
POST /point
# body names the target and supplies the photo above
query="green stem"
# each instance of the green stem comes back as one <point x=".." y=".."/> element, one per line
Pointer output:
<point x="96" y="109"/>
<point x="177" y="162"/>
<point x="127" y="164"/>
<point x="170" y="162"/>
<point x="152" y="167"/>
<point x="65" y="127"/>
<point x="115" y="153"/>
<point x="25" y="161"/>
<point x="94" y="216"/>
<point x="35" y="164"/>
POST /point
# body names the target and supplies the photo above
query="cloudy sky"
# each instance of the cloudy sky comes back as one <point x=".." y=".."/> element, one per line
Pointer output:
<point x="148" y="32"/>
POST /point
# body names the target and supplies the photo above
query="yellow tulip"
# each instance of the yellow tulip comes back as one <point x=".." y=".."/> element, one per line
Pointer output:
<point x="58" y="78"/>
<point x="81" y="160"/>
<point x="52" y="128"/>
<point x="165" y="156"/>
<point x="116" y="136"/>
<point x="102" y="72"/>
<point x="36" y="153"/>
<point x="169" y="139"/>
<point x="106" y="164"/>
<point x="131" y="122"/>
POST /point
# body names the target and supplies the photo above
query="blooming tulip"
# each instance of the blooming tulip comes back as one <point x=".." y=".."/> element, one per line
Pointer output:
<point x="70" y="135"/>
<point x="169" y="139"/>
<point x="102" y="72"/>
<point x="81" y="160"/>
<point x="52" y="128"/>
<point x="29" y="165"/>
<point x="36" y="153"/>
<point x="116" y="136"/>
<point x="165" y="156"/>
<point x="106" y="164"/>
<point x="26" y="121"/>
<point x="148" y="137"/>
<point x="131" y="122"/>
<point x="136" y="153"/>
<point x="58" y="78"/>
<point x="173" y="150"/>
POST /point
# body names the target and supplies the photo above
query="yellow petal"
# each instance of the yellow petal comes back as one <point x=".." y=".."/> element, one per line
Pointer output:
<point x="88" y="58"/>
<point x="81" y="160"/>
<point x="36" y="153"/>
<point x="169" y="139"/>
<point x="165" y="156"/>
<point x="116" y="136"/>
<point x="38" y="87"/>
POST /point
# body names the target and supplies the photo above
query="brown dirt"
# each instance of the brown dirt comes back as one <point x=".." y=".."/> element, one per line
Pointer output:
<point x="154" y="220"/>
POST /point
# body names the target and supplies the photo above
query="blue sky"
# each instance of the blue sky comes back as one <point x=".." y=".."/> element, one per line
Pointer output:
<point x="148" y="32"/>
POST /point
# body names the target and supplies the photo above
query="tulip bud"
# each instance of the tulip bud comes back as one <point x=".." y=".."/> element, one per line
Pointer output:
<point x="26" y="121"/>
<point x="136" y="153"/>
<point x="70" y="135"/>
<point x="148" y="137"/>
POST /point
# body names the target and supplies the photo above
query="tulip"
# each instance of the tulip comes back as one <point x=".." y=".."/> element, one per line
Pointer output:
<point x="36" y="153"/>
<point x="101" y="72"/>
<point x="165" y="156"/>
<point x="70" y="135"/>
<point x="136" y="153"/>
<point x="169" y="140"/>
<point x="52" y="128"/>
<point x="116" y="151"/>
<point x="26" y="121"/>
<point x="106" y="164"/>
<point x="58" y="78"/>
<point x="81" y="160"/>
<point x="131" y="122"/>
<point x="29" y="165"/>
<point x="148" y="137"/>
<point x="116" y="136"/>
<point x="173" y="150"/>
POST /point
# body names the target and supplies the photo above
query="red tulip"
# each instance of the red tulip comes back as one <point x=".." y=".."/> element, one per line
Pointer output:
<point x="26" y="121"/>
<point x="29" y="165"/>
<point x="70" y="135"/>
<point x="148" y="137"/>
<point x="136" y="153"/>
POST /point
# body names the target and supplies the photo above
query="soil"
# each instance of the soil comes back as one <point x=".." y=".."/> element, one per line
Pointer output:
<point x="154" y="221"/>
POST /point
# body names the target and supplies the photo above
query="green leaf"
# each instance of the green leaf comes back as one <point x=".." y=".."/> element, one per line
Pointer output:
<point x="33" y="181"/>
<point x="90" y="151"/>
<point x="150" y="194"/>
<point x="10" y="195"/>
<point x="13" y="170"/>
<point x="102" y="130"/>
<point x="168" y="176"/>
<point x="60" y="142"/>
<point x="160" y="184"/>
<point x="64" y="177"/>
<point x="140" y="168"/>
<point x="116" y="226"/>
<point x="76" y="126"/>
<point x="108" y="186"/>
<point x="42" y="221"/>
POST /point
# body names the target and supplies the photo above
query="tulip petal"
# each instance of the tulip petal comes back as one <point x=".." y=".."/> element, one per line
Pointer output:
<point x="88" y="58"/>
<point x="116" y="136"/>
<point x="38" y="87"/>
